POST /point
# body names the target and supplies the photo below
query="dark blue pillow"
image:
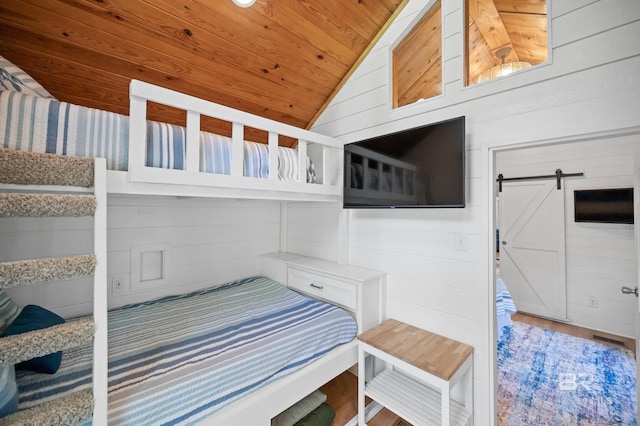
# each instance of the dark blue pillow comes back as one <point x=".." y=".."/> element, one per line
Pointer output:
<point x="32" y="318"/>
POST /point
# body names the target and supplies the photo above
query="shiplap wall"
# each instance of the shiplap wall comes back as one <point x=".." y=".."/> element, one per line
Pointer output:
<point x="209" y="242"/>
<point x="312" y="229"/>
<point x="588" y="90"/>
<point x="600" y="258"/>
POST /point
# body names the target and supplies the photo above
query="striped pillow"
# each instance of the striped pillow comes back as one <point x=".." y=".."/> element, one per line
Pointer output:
<point x="8" y="390"/>
<point x="9" y="311"/>
<point x="256" y="160"/>
<point x="288" y="164"/>
<point x="215" y="153"/>
<point x="15" y="79"/>
<point x="165" y="145"/>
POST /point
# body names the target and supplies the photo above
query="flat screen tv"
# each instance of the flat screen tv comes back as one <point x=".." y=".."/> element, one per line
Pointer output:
<point x="603" y="205"/>
<point x="415" y="168"/>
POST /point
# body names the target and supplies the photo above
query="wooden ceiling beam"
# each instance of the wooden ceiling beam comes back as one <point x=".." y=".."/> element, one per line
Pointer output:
<point x="486" y="17"/>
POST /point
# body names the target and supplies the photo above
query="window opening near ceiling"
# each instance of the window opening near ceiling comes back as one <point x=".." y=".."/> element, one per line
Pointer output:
<point x="504" y="36"/>
<point x="417" y="60"/>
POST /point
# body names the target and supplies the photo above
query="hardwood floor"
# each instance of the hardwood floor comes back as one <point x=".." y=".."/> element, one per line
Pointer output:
<point x="585" y="333"/>
<point x="342" y="396"/>
<point x="342" y="392"/>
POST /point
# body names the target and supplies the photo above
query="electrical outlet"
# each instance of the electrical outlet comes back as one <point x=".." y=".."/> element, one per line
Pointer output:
<point x="119" y="284"/>
<point x="461" y="242"/>
<point x="593" y="302"/>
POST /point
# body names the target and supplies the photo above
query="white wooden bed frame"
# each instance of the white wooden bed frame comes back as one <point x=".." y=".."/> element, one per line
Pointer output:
<point x="325" y="152"/>
<point x="259" y="407"/>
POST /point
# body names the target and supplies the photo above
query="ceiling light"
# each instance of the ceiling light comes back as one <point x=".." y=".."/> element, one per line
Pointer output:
<point x="244" y="3"/>
<point x="503" y="68"/>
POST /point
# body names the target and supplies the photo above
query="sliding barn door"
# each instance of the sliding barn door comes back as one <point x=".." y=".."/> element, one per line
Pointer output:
<point x="532" y="246"/>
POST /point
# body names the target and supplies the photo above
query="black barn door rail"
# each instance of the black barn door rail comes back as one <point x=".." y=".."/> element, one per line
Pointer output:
<point x="557" y="176"/>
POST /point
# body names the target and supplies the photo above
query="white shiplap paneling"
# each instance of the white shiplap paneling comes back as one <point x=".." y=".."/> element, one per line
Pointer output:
<point x="588" y="90"/>
<point x="312" y="229"/>
<point x="600" y="257"/>
<point x="210" y="241"/>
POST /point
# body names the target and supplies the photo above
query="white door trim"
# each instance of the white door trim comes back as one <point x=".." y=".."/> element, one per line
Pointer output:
<point x="487" y="153"/>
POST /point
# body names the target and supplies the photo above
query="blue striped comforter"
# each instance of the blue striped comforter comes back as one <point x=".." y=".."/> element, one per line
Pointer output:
<point x="32" y="123"/>
<point x="179" y="359"/>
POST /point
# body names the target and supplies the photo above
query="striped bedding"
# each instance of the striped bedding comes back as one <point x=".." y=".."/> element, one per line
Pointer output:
<point x="504" y="307"/>
<point x="179" y="359"/>
<point x="34" y="123"/>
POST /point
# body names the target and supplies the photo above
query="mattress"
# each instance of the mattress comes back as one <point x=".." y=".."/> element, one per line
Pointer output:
<point x="32" y="123"/>
<point x="178" y="359"/>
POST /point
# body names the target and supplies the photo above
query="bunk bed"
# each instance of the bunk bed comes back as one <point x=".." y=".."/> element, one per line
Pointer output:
<point x="150" y="158"/>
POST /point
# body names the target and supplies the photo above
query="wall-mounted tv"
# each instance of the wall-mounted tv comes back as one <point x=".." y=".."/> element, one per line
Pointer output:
<point x="414" y="168"/>
<point x="603" y="205"/>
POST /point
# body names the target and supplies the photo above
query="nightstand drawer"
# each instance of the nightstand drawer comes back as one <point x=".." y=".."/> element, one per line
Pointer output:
<point x="331" y="290"/>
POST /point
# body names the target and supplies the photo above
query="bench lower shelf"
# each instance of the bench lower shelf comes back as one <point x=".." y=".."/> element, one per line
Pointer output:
<point x="417" y="403"/>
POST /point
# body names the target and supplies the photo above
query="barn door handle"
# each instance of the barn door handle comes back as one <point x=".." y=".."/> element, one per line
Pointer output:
<point x="629" y="290"/>
<point x="504" y="243"/>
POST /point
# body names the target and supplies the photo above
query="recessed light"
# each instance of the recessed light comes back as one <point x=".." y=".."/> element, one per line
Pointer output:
<point x="244" y="3"/>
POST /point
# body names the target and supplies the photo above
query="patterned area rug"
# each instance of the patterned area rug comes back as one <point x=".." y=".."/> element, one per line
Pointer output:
<point x="548" y="378"/>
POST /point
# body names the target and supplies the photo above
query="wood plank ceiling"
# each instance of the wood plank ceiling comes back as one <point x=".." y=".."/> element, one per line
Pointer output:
<point x="280" y="59"/>
<point x="520" y="25"/>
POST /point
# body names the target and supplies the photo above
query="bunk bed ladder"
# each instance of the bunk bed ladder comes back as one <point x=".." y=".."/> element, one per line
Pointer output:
<point x="46" y="185"/>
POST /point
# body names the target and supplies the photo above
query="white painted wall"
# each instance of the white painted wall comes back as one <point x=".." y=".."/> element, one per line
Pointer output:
<point x="590" y="88"/>
<point x="209" y="242"/>
<point x="600" y="257"/>
<point x="312" y="229"/>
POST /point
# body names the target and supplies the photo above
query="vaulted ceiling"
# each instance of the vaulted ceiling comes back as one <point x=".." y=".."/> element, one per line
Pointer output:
<point x="520" y="25"/>
<point x="280" y="59"/>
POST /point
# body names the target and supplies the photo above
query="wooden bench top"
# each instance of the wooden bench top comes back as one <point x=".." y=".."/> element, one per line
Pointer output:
<point x="428" y="351"/>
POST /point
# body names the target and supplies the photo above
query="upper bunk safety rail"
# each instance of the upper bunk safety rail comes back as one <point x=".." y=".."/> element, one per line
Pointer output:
<point x="326" y="156"/>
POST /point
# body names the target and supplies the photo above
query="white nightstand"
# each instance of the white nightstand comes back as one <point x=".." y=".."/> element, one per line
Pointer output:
<point x="360" y="291"/>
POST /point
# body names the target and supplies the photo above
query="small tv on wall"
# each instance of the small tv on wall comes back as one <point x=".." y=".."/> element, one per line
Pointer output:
<point x="421" y="167"/>
<point x="603" y="205"/>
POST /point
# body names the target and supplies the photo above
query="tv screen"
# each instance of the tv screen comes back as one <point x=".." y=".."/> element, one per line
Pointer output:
<point x="418" y="167"/>
<point x="603" y="205"/>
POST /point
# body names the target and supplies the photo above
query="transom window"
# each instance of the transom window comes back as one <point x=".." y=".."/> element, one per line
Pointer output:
<point x="504" y="36"/>
<point x="417" y="60"/>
